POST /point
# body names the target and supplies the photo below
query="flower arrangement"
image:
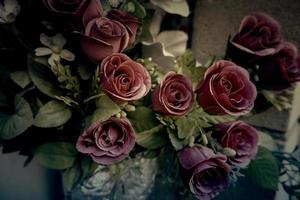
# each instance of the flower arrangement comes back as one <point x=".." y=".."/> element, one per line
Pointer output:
<point x="97" y="84"/>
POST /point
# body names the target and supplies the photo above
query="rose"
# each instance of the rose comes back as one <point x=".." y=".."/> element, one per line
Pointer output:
<point x="174" y="96"/>
<point x="102" y="37"/>
<point x="226" y="89"/>
<point x="107" y="142"/>
<point x="65" y="6"/>
<point x="207" y="173"/>
<point x="73" y="7"/>
<point x="279" y="71"/>
<point x="130" y="22"/>
<point x="124" y="79"/>
<point x="259" y="35"/>
<point x="240" y="137"/>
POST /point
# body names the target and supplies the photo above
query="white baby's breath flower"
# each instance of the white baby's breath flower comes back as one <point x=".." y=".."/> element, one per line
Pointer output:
<point x="54" y="48"/>
<point x="9" y="10"/>
<point x="115" y="3"/>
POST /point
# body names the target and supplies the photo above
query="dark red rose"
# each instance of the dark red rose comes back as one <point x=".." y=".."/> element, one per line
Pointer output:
<point x="279" y="71"/>
<point x="174" y="96"/>
<point x="259" y="35"/>
<point x="73" y="7"/>
<point x="206" y="172"/>
<point x="129" y="21"/>
<point x="107" y="142"/>
<point x="102" y="37"/>
<point x="124" y="79"/>
<point x="226" y="89"/>
<point x="240" y="137"/>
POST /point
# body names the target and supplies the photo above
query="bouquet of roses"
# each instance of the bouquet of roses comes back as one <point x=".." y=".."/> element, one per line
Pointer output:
<point x="97" y="83"/>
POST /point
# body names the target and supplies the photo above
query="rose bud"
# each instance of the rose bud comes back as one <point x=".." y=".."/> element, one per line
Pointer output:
<point x="259" y="35"/>
<point x="206" y="173"/>
<point x="107" y="142"/>
<point x="124" y="79"/>
<point x="226" y="89"/>
<point x="174" y="96"/>
<point x="240" y="137"/>
<point x="130" y="22"/>
<point x="279" y="71"/>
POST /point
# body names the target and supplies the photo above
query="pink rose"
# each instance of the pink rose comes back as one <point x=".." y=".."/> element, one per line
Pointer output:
<point x="207" y="173"/>
<point x="130" y="22"/>
<point x="279" y="71"/>
<point x="174" y="96"/>
<point x="226" y="89"/>
<point x="240" y="137"/>
<point x="124" y="79"/>
<point x="259" y="35"/>
<point x="107" y="142"/>
<point x="102" y="37"/>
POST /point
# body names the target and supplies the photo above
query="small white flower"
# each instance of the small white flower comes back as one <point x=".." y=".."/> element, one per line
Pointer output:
<point x="9" y="10"/>
<point x="115" y="3"/>
<point x="54" y="48"/>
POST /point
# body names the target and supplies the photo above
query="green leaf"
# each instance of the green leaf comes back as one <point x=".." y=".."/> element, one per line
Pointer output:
<point x="245" y="189"/>
<point x="186" y="126"/>
<point x="56" y="155"/>
<point x="187" y="65"/>
<point x="135" y="8"/>
<point x="82" y="169"/>
<point x="52" y="114"/>
<point x="21" y="78"/>
<point x="176" y="142"/>
<point x="71" y="177"/>
<point x="13" y="124"/>
<point x="105" y="109"/>
<point x="206" y="120"/>
<point x="143" y="118"/>
<point x="85" y="71"/>
<point x="43" y="78"/>
<point x="88" y="166"/>
<point x="263" y="170"/>
<point x="152" y="138"/>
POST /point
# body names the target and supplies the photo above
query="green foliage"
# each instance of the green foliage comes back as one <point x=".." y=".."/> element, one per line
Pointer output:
<point x="14" y="123"/>
<point x="187" y="65"/>
<point x="150" y="133"/>
<point x="85" y="71"/>
<point x="281" y="100"/>
<point x="21" y="78"/>
<point x="245" y="189"/>
<point x="105" y="109"/>
<point x="206" y="120"/>
<point x="78" y="172"/>
<point x="67" y="81"/>
<point x="263" y="170"/>
<point x="143" y="119"/>
<point x="135" y="8"/>
<point x="176" y="142"/>
<point x="52" y="114"/>
<point x="153" y="138"/>
<point x="186" y="126"/>
<point x="56" y="155"/>
<point x="42" y="77"/>
<point x="71" y="177"/>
